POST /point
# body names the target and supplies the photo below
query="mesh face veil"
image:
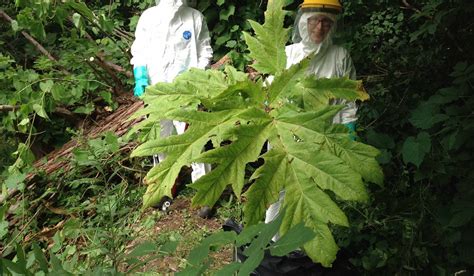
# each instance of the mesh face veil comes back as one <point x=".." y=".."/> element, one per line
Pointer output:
<point x="301" y="31"/>
<point x="300" y="28"/>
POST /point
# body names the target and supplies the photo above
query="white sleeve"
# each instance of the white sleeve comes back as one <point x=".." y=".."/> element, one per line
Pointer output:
<point x="204" y="49"/>
<point x="349" y="113"/>
<point x="140" y="44"/>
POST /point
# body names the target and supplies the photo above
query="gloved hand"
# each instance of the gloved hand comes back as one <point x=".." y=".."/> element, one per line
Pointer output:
<point x="352" y="130"/>
<point x="141" y="80"/>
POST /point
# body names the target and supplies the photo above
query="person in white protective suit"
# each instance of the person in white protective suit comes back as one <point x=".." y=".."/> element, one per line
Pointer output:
<point x="313" y="31"/>
<point x="169" y="39"/>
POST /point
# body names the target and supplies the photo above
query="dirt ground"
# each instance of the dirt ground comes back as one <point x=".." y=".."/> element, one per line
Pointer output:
<point x="182" y="221"/>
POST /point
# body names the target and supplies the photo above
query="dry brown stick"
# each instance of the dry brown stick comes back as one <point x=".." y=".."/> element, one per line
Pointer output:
<point x="118" y="84"/>
<point x="7" y="108"/>
<point x="118" y="68"/>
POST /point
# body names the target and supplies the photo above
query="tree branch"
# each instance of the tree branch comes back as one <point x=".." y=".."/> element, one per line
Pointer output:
<point x="409" y="6"/>
<point x="113" y="66"/>
<point x="118" y="84"/>
<point x="33" y="41"/>
<point x="7" y="108"/>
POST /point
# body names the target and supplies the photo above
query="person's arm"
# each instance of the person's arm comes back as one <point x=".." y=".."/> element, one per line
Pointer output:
<point x="204" y="49"/>
<point x="348" y="115"/>
<point x="139" y="56"/>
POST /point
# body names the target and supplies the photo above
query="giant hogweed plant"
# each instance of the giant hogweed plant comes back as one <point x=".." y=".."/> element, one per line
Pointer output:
<point x="313" y="160"/>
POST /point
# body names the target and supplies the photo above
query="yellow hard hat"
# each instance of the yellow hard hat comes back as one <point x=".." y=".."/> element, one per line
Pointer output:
<point x="326" y="5"/>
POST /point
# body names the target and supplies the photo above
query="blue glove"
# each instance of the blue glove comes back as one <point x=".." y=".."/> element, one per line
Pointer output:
<point x="141" y="80"/>
<point x="352" y="130"/>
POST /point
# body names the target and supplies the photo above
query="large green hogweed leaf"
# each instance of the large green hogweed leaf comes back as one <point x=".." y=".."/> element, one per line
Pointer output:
<point x="308" y="156"/>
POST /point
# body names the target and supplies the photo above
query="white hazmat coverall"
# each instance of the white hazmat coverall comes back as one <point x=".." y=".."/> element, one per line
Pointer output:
<point x="330" y="61"/>
<point x="169" y="39"/>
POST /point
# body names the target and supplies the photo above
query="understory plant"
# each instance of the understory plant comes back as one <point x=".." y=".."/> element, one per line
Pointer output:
<point x="285" y="124"/>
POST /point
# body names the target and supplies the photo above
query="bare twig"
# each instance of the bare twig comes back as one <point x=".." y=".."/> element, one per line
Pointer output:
<point x="118" y="84"/>
<point x="7" y="108"/>
<point x="410" y="7"/>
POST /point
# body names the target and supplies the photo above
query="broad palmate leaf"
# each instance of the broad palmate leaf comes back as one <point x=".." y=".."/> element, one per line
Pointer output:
<point x="287" y="125"/>
<point x="267" y="47"/>
<point x="308" y="155"/>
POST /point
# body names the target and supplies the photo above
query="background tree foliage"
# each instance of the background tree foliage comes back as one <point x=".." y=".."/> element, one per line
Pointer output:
<point x="413" y="56"/>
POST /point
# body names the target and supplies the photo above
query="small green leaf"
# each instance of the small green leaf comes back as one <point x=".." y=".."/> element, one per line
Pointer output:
<point x="415" y="149"/>
<point x="14" y="25"/>
<point x="169" y="247"/>
<point x="143" y="249"/>
<point x="82" y="8"/>
<point x="111" y="141"/>
<point x="229" y="269"/>
<point x="46" y="86"/>
<point x="24" y="122"/>
<point x="198" y="254"/>
<point x="231" y="43"/>
<point x="426" y="116"/>
<point x="225" y="14"/>
<point x="252" y="262"/>
<point x="14" y="180"/>
<point x="37" y="29"/>
<point x="76" y="19"/>
<point x="86" y="109"/>
<point x="57" y="266"/>
<point x="249" y="233"/>
<point x="292" y="240"/>
<point x="40" y="258"/>
<point x="14" y="267"/>
<point x="3" y="229"/>
<point x="3" y="211"/>
<point x="107" y="96"/>
<point x="20" y="256"/>
<point x="39" y="109"/>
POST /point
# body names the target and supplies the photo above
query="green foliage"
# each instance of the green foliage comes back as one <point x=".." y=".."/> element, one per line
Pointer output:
<point x="309" y="156"/>
<point x="36" y="260"/>
<point x="90" y="214"/>
<point x="50" y="87"/>
<point x="267" y="47"/>
<point x="417" y="72"/>
<point x="226" y="21"/>
<point x="256" y="239"/>
<point x="414" y="59"/>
